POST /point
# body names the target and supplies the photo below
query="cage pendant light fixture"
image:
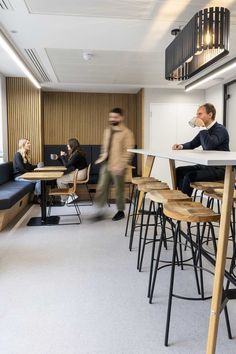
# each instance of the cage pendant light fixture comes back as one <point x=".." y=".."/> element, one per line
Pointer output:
<point x="203" y="41"/>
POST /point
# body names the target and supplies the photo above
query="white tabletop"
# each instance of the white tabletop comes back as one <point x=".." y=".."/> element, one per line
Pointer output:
<point x="208" y="158"/>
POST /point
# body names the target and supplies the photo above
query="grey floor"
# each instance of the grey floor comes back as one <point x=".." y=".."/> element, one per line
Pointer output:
<point x="75" y="290"/>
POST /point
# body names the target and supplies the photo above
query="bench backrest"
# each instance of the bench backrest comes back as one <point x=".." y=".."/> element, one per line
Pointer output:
<point x="6" y="172"/>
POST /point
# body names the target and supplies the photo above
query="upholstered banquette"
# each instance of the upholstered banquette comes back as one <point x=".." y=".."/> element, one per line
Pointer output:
<point x="14" y="195"/>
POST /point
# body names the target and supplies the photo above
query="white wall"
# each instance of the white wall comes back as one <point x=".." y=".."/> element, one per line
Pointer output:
<point x="167" y="96"/>
<point x="3" y="118"/>
<point x="230" y="116"/>
<point x="168" y="102"/>
<point x="215" y="95"/>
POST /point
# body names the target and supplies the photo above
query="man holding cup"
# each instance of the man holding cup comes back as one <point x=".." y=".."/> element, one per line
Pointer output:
<point x="211" y="136"/>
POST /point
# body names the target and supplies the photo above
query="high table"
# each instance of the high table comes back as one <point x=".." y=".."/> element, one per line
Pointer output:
<point x="208" y="158"/>
<point x="43" y="176"/>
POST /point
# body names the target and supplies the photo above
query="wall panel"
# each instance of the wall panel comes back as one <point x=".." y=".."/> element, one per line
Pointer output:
<point x="24" y="116"/>
<point x="83" y="115"/>
<point x="140" y="128"/>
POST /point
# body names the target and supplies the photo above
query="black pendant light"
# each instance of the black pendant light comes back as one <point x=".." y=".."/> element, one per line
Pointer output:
<point x="203" y="41"/>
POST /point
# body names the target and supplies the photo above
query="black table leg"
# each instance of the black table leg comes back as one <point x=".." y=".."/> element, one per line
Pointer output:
<point x="44" y="220"/>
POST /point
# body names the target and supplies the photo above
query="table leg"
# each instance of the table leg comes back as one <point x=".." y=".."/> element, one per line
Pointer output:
<point x="173" y="173"/>
<point x="146" y="173"/>
<point x="220" y="259"/>
<point x="43" y="220"/>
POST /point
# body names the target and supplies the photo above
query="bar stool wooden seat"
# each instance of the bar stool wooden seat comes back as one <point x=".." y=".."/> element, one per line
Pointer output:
<point x="165" y="196"/>
<point x="135" y="181"/>
<point x="142" y="188"/>
<point x="217" y="194"/>
<point x="159" y="197"/>
<point x="189" y="212"/>
<point x="203" y="186"/>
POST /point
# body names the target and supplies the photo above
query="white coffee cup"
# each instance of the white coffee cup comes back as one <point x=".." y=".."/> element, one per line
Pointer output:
<point x="53" y="156"/>
<point x="40" y="164"/>
<point x="192" y="122"/>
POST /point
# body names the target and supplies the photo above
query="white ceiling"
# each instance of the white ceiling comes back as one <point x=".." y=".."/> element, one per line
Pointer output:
<point x="126" y="38"/>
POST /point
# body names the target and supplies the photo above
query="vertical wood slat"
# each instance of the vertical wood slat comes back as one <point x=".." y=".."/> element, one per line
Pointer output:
<point x="24" y="116"/>
<point x="83" y="115"/>
<point x="140" y="129"/>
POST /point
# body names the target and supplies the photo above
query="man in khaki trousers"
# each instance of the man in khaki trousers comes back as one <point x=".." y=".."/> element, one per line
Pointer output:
<point x="114" y="159"/>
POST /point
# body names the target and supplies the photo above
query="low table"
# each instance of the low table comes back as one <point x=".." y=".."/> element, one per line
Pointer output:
<point x="50" y="168"/>
<point x="44" y="220"/>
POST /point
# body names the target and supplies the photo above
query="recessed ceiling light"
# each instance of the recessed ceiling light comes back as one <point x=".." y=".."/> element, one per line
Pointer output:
<point x="14" y="31"/>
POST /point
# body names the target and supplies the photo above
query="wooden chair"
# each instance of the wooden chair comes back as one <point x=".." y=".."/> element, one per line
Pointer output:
<point x="66" y="192"/>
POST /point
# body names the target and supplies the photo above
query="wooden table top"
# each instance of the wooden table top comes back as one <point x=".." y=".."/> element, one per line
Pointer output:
<point x="50" y="168"/>
<point x="47" y="175"/>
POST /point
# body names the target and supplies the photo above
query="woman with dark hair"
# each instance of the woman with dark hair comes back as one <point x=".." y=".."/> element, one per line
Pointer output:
<point x="73" y="160"/>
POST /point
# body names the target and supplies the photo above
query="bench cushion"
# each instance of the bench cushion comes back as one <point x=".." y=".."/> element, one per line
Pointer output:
<point x="13" y="191"/>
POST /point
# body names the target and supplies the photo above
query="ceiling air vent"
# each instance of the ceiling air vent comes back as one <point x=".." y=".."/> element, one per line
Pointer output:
<point x="5" y="5"/>
<point x="35" y="62"/>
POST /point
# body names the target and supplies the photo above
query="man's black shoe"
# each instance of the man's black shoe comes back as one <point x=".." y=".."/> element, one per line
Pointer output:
<point x="119" y="215"/>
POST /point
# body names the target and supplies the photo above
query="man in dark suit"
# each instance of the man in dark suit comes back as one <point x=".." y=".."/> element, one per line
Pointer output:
<point x="211" y="136"/>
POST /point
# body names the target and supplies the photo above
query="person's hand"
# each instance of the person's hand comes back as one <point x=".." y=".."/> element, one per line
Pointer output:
<point x="199" y="122"/>
<point x="177" y="147"/>
<point x="99" y="160"/>
<point x="62" y="153"/>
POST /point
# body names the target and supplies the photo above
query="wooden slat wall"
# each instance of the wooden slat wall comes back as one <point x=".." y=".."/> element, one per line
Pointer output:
<point x="140" y="127"/>
<point x="24" y="116"/>
<point x="83" y="115"/>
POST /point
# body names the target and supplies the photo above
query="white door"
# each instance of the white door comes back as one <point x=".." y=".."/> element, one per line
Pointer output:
<point x="169" y="125"/>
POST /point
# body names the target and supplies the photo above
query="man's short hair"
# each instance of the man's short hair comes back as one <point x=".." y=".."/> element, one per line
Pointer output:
<point x="117" y="110"/>
<point x="210" y="109"/>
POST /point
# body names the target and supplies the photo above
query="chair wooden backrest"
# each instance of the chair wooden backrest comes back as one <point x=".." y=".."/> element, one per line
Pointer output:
<point x="87" y="176"/>
<point x="73" y="188"/>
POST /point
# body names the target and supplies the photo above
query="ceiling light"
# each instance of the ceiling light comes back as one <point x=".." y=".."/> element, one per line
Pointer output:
<point x="16" y="58"/>
<point x="212" y="75"/>
<point x="87" y="56"/>
<point x="205" y="38"/>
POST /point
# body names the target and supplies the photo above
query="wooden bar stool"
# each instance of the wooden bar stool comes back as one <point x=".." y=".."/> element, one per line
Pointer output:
<point x="159" y="197"/>
<point x="203" y="186"/>
<point x="217" y="195"/>
<point x="135" y="181"/>
<point x="144" y="188"/>
<point x="189" y="212"/>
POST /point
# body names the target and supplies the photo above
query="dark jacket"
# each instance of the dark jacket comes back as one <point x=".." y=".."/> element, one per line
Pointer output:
<point x="20" y="167"/>
<point x="215" y="138"/>
<point x="77" y="161"/>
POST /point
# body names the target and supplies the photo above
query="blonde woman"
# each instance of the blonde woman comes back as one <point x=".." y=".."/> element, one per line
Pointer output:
<point x="21" y="164"/>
